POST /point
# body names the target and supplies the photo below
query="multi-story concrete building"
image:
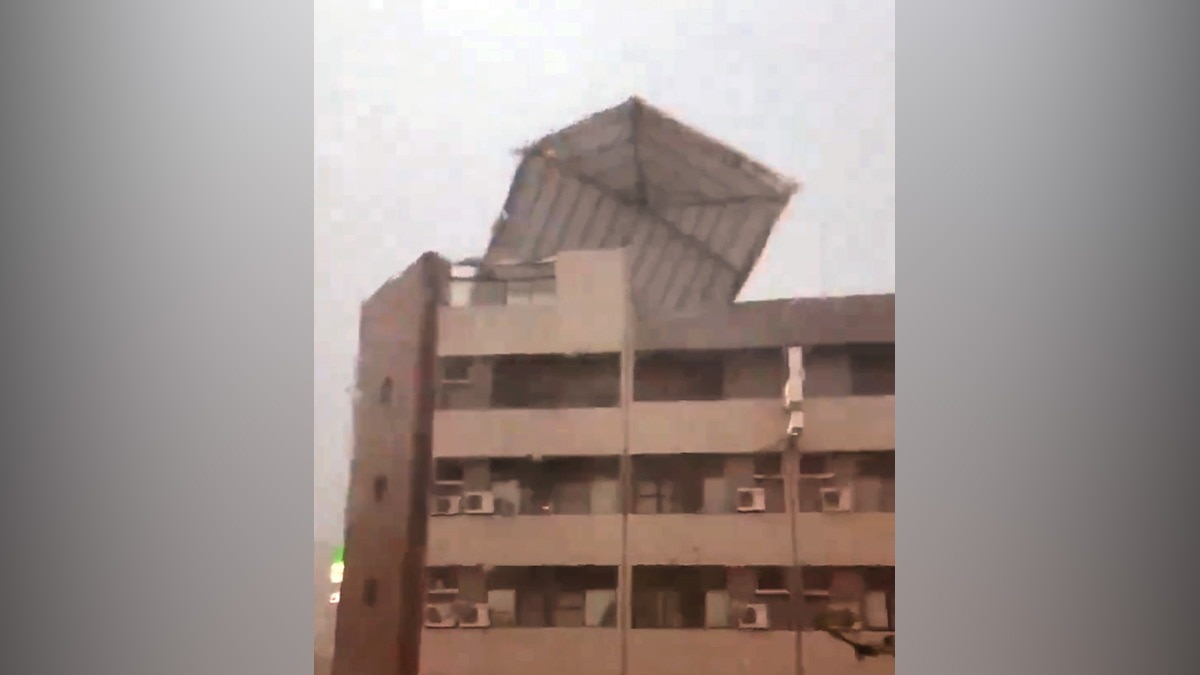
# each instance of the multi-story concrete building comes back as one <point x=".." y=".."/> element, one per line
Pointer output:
<point x="586" y="457"/>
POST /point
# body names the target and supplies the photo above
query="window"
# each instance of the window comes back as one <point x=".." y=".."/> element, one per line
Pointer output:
<point x="554" y="485"/>
<point x="441" y="582"/>
<point x="679" y="376"/>
<point x="656" y="495"/>
<point x="456" y="369"/>
<point x="556" y="381"/>
<point x="380" y="488"/>
<point x="564" y="596"/>
<point x="869" y="593"/>
<point x="502" y="607"/>
<point x="531" y="291"/>
<point x="708" y="483"/>
<point x="875" y="482"/>
<point x="679" y="597"/>
<point x="873" y="369"/>
<point x="370" y="590"/>
<point x="385" y="391"/>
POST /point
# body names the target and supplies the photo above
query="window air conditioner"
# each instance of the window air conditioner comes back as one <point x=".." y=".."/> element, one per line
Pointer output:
<point x="753" y="617"/>
<point x="836" y="499"/>
<point x="446" y="506"/>
<point x="439" y="616"/>
<point x="793" y="390"/>
<point x="751" y="500"/>
<point x="479" y="503"/>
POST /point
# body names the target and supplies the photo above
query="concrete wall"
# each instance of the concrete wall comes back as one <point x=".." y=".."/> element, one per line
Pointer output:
<point x="823" y="655"/>
<point x="849" y="423"/>
<point x="525" y="540"/>
<point x="725" y="539"/>
<point x="671" y="427"/>
<point x="521" y="651"/>
<point x="592" y="651"/>
<point x="846" y="538"/>
<point x="712" y="652"/>
<point x="587" y="316"/>
<point x="776" y="323"/>
<point x="385" y="535"/>
<point x="520" y="433"/>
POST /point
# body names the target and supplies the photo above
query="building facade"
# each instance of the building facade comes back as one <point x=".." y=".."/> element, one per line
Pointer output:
<point x="605" y="491"/>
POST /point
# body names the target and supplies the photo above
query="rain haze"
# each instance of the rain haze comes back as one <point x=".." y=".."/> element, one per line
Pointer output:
<point x="418" y="107"/>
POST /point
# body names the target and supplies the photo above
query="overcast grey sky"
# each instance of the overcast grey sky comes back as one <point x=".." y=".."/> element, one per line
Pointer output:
<point x="418" y="104"/>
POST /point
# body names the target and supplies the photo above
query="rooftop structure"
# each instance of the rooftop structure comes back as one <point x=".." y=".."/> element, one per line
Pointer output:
<point x="694" y="213"/>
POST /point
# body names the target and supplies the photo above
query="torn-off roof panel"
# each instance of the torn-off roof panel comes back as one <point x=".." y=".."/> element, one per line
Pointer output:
<point x="695" y="212"/>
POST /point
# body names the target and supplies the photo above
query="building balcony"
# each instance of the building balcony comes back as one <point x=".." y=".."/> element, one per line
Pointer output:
<point x="849" y="423"/>
<point x="712" y="652"/>
<point x="566" y="432"/>
<point x="711" y="539"/>
<point x="846" y="539"/>
<point x="525" y="540"/>
<point x="521" y="651"/>
<point x="723" y="426"/>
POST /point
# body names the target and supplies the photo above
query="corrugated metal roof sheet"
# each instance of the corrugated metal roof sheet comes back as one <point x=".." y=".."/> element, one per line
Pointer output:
<point x="695" y="212"/>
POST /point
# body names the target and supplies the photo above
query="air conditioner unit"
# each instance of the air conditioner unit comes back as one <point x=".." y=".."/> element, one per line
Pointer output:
<point x="474" y="616"/>
<point x="479" y="503"/>
<point x="753" y="617"/>
<point x="795" y="422"/>
<point x="446" y="505"/>
<point x="751" y="500"/>
<point x="793" y="390"/>
<point x="836" y="499"/>
<point x="440" y="615"/>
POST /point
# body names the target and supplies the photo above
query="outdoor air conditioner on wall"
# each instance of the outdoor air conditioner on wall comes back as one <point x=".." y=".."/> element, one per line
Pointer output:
<point x="836" y="499"/>
<point x="479" y="503"/>
<point x="440" y="615"/>
<point x="754" y="617"/>
<point x="474" y="616"/>
<point x="751" y="500"/>
<point x="445" y="505"/>
<point x="793" y="390"/>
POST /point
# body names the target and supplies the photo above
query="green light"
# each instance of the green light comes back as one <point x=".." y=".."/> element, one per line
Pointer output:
<point x="339" y="555"/>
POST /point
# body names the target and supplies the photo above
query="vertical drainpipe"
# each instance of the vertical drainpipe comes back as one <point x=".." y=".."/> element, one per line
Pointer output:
<point x="625" y="575"/>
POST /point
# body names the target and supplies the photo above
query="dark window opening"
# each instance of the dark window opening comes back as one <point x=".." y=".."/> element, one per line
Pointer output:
<point x="877" y="464"/>
<point x="680" y="597"/>
<point x="771" y="579"/>
<point x="679" y="376"/>
<point x="385" y="391"/>
<point x="555" y="381"/>
<point x="864" y="482"/>
<point x="549" y="486"/>
<point x="873" y="369"/>
<point x="708" y="483"/>
<point x="537" y="597"/>
<point x="379" y="488"/>
<point x="441" y="584"/>
<point x="448" y="470"/>
<point x="456" y="369"/>
<point x="370" y="590"/>
<point x="868" y="594"/>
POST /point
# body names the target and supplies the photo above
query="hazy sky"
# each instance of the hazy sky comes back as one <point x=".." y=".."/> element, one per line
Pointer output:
<point x="418" y="105"/>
